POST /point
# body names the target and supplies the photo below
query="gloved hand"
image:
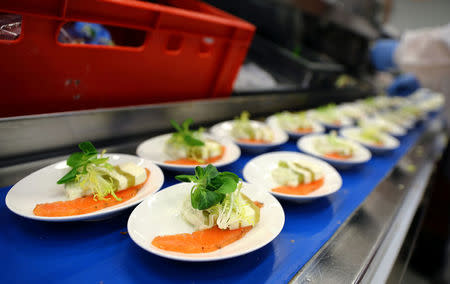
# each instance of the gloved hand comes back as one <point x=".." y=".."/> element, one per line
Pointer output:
<point x="91" y="33"/>
<point x="403" y="85"/>
<point x="382" y="54"/>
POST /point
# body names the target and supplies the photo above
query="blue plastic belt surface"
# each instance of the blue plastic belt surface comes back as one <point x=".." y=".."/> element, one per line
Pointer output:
<point x="102" y="252"/>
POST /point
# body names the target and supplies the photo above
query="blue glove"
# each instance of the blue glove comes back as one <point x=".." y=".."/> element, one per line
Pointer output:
<point x="91" y="33"/>
<point x="382" y="54"/>
<point x="403" y="85"/>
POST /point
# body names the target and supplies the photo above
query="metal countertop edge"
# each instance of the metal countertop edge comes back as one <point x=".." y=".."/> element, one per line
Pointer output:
<point x="348" y="254"/>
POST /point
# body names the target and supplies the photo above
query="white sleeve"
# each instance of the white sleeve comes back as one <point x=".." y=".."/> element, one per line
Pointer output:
<point x="426" y="53"/>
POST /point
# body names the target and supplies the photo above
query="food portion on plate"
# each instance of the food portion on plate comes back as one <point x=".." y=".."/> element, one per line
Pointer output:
<point x="292" y="176"/>
<point x="251" y="135"/>
<point x="93" y="184"/>
<point x="244" y="131"/>
<point x="341" y="152"/>
<point x="191" y="147"/>
<point x="383" y="125"/>
<point x="374" y="139"/>
<point x="334" y="147"/>
<point x="217" y="210"/>
<point x="352" y="110"/>
<point x="330" y="116"/>
<point x="295" y="123"/>
<point x="297" y="177"/>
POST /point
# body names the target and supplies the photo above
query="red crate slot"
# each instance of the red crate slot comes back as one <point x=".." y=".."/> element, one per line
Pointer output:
<point x="191" y="51"/>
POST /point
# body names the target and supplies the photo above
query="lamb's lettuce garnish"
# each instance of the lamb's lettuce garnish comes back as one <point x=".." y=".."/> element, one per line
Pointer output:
<point x="210" y="186"/>
<point x="184" y="135"/>
<point x="90" y="171"/>
<point x="216" y="199"/>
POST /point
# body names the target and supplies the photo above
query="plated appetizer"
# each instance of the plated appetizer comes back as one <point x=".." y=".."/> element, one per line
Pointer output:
<point x="209" y="214"/>
<point x="383" y="125"/>
<point x="249" y="134"/>
<point x="189" y="147"/>
<point x="296" y="124"/>
<point x="351" y="110"/>
<point x="375" y="140"/>
<point x="339" y="151"/>
<point x="293" y="176"/>
<point x="88" y="185"/>
<point x="185" y="149"/>
<point x="330" y="117"/>
<point x="245" y="131"/>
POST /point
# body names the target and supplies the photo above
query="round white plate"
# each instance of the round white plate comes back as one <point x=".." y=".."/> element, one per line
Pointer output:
<point x="160" y="215"/>
<point x="41" y="187"/>
<point x="223" y="129"/>
<point x="390" y="143"/>
<point x="360" y="155"/>
<point x="316" y="128"/>
<point x="259" y="171"/>
<point x="153" y="150"/>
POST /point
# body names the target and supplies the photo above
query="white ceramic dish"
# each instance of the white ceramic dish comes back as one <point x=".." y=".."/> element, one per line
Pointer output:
<point x="390" y="143"/>
<point x="316" y="128"/>
<point x="160" y="215"/>
<point x="259" y="171"/>
<point x="152" y="149"/>
<point x="223" y="129"/>
<point x="41" y="187"/>
<point x="361" y="155"/>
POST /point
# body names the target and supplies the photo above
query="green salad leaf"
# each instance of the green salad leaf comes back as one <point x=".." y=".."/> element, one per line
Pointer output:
<point x="80" y="161"/>
<point x="184" y="134"/>
<point x="211" y="186"/>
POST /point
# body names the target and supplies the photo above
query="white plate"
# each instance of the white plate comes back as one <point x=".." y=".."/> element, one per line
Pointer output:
<point x="223" y="129"/>
<point x="259" y="171"/>
<point x="360" y="155"/>
<point x="160" y="215"/>
<point x="316" y="128"/>
<point x="41" y="187"/>
<point x="390" y="143"/>
<point x="153" y="150"/>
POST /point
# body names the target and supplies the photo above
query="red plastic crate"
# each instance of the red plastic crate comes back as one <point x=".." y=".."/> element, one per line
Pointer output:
<point x="191" y="51"/>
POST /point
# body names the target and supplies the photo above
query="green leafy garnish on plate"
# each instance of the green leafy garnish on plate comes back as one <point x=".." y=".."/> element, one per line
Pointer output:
<point x="184" y="134"/>
<point x="210" y="186"/>
<point x="80" y="161"/>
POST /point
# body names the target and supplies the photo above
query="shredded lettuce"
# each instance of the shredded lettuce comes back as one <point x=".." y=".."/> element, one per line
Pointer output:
<point x="235" y="211"/>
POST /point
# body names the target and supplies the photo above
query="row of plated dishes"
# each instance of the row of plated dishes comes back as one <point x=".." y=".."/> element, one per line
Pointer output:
<point x="212" y="215"/>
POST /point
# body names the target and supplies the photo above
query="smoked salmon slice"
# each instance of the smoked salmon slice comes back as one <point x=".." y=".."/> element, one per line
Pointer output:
<point x="301" y="189"/>
<point x="86" y="204"/>
<point x="202" y="241"/>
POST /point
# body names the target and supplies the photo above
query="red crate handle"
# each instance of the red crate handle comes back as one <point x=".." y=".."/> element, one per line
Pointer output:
<point x="134" y="15"/>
